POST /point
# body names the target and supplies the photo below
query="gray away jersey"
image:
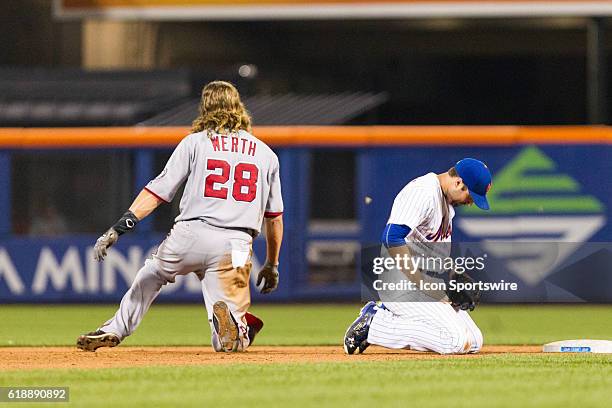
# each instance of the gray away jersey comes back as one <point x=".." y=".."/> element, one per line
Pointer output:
<point x="232" y="180"/>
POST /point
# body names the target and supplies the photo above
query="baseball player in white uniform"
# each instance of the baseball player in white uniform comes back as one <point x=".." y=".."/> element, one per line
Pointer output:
<point x="232" y="186"/>
<point x="421" y="217"/>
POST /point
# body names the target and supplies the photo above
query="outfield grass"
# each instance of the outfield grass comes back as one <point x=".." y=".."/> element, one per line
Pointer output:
<point x="490" y="381"/>
<point x="290" y="324"/>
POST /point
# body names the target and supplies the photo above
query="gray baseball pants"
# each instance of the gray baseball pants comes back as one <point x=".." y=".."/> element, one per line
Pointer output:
<point x="220" y="257"/>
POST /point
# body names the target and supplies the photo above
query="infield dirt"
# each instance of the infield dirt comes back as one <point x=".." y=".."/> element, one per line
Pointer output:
<point x="23" y="358"/>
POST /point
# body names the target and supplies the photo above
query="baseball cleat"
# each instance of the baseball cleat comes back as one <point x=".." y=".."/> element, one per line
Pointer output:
<point x="226" y="327"/>
<point x="356" y="336"/>
<point x="96" y="339"/>
<point x="254" y="325"/>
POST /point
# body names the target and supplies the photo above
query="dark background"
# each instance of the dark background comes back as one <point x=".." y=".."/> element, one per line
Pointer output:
<point x="437" y="71"/>
<point x="442" y="71"/>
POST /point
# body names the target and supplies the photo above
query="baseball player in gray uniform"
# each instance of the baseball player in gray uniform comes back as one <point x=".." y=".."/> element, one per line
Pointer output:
<point x="232" y="187"/>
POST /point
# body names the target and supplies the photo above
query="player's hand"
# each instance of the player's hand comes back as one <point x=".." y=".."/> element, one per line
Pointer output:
<point x="466" y="299"/>
<point x="103" y="243"/>
<point x="268" y="273"/>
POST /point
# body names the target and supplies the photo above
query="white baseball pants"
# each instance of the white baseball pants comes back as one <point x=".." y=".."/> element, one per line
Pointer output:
<point x="425" y="326"/>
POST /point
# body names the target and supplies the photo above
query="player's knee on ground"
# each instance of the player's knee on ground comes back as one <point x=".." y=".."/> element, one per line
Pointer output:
<point x="454" y="341"/>
<point x="243" y="341"/>
<point x="477" y="341"/>
<point x="215" y="343"/>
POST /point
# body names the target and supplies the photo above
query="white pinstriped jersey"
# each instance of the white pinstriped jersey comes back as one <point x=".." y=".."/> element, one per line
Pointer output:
<point x="422" y="207"/>
<point x="415" y="320"/>
<point x="232" y="180"/>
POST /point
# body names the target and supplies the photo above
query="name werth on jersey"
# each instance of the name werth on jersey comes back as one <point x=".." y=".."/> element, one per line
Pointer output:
<point x="238" y="145"/>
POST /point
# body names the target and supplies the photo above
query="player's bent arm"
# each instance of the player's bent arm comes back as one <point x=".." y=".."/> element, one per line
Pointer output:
<point x="274" y="238"/>
<point x="394" y="238"/>
<point x="142" y="206"/>
<point x="413" y="273"/>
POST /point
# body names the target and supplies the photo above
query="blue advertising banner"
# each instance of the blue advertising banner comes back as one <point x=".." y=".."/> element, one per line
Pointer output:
<point x="559" y="196"/>
<point x="63" y="270"/>
<point x="548" y="228"/>
<point x="534" y="188"/>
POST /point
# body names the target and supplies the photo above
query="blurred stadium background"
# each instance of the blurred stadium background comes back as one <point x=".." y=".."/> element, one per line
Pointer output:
<point x="356" y="97"/>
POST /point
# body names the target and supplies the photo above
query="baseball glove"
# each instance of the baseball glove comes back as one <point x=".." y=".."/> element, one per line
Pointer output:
<point x="465" y="299"/>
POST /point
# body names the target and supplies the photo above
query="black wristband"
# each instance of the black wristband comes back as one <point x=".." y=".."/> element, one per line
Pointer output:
<point x="125" y="223"/>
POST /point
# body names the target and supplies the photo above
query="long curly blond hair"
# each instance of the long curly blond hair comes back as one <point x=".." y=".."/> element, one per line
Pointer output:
<point x="221" y="110"/>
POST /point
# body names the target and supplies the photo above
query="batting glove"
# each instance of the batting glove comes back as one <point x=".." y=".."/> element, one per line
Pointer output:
<point x="269" y="272"/>
<point x="103" y="243"/>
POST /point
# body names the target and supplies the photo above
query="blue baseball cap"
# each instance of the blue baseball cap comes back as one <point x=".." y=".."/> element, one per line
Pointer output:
<point x="477" y="178"/>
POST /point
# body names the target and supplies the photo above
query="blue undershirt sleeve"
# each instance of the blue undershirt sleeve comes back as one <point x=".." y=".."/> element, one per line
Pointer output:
<point x="394" y="235"/>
